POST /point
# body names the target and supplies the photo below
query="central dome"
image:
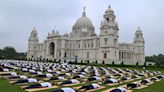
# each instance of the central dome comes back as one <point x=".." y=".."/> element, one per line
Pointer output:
<point x="83" y="21"/>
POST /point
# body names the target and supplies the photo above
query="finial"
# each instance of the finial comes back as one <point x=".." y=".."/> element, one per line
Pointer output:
<point x="53" y="31"/>
<point x="84" y="14"/>
<point x="138" y="28"/>
<point x="66" y="32"/>
<point x="57" y="32"/>
<point x="84" y="8"/>
<point x="109" y="6"/>
<point x="34" y="28"/>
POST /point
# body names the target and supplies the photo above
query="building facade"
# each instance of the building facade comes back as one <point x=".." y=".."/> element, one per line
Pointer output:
<point x="83" y="44"/>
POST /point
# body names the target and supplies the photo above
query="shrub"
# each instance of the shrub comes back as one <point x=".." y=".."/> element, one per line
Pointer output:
<point x="137" y="64"/>
<point x="81" y="61"/>
<point x="59" y="60"/>
<point x="122" y="63"/>
<point x="88" y="61"/>
<point x="96" y="61"/>
<point x="113" y="63"/>
<point x="103" y="62"/>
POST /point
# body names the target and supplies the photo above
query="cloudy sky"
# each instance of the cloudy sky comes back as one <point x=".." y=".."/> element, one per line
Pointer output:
<point x="18" y="17"/>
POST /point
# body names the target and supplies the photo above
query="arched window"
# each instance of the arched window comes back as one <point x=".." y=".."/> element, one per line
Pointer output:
<point x="115" y="41"/>
<point x="92" y="44"/>
<point x="79" y="45"/>
<point x="105" y="39"/>
<point x="59" y="54"/>
<point x="70" y="54"/>
<point x="105" y="55"/>
<point x="87" y="54"/>
<point x="107" y="19"/>
<point x="52" y="49"/>
<point x="70" y="45"/>
<point x="88" y="45"/>
<point x="65" y="54"/>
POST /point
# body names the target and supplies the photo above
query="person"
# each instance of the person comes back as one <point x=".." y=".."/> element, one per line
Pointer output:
<point x="108" y="81"/>
<point x="145" y="81"/>
<point x="72" y="81"/>
<point x="47" y="75"/>
<point x="133" y="85"/>
<point x="119" y="89"/>
<point x="67" y="89"/>
<point x="91" y="86"/>
<point x="19" y="76"/>
<point x="4" y="70"/>
<point x="94" y="78"/>
<point x="26" y="80"/>
<point x="9" y="74"/>
<point x="57" y="78"/>
<point x="39" y="85"/>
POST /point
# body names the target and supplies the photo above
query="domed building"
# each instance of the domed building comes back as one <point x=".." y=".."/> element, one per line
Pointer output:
<point x="83" y="44"/>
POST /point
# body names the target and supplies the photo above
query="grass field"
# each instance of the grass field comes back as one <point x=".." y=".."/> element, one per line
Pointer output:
<point x="156" y="87"/>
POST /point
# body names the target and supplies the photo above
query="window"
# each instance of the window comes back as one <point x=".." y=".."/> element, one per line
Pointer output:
<point x="65" y="54"/>
<point x="92" y="44"/>
<point x="70" y="45"/>
<point x="87" y="54"/>
<point x="105" y="55"/>
<point x="59" y="54"/>
<point x="65" y="45"/>
<point x="105" y="39"/>
<point x="34" y="35"/>
<point x="122" y="55"/>
<point x="75" y="32"/>
<point x="107" y="19"/>
<point x="115" y="40"/>
<point x="79" y="45"/>
<point x="70" y="54"/>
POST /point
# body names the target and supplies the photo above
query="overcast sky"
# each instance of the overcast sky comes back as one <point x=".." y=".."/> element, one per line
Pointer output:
<point x="18" y="17"/>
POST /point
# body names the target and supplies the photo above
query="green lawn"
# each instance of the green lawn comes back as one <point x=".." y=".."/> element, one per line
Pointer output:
<point x="156" y="87"/>
<point x="7" y="87"/>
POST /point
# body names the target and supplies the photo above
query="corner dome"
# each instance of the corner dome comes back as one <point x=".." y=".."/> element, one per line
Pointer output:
<point x="83" y="21"/>
<point x="109" y="10"/>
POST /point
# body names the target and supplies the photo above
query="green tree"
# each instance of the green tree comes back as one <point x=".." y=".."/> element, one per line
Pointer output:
<point x="1" y="54"/>
<point x="10" y="53"/>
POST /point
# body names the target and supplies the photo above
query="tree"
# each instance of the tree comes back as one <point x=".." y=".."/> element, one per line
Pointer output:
<point x="1" y="54"/>
<point x="10" y="53"/>
<point x="158" y="59"/>
<point x="144" y="64"/>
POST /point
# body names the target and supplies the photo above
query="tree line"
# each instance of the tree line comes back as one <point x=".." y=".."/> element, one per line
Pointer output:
<point x="158" y="59"/>
<point x="9" y="52"/>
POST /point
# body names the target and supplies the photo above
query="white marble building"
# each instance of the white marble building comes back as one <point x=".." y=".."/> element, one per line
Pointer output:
<point x="84" y="44"/>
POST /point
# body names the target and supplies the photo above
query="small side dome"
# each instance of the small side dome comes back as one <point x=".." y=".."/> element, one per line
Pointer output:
<point x="66" y="34"/>
<point x="83" y="21"/>
<point x="109" y="10"/>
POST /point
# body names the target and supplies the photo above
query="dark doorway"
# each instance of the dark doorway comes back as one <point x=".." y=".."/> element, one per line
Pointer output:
<point x="52" y="49"/>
